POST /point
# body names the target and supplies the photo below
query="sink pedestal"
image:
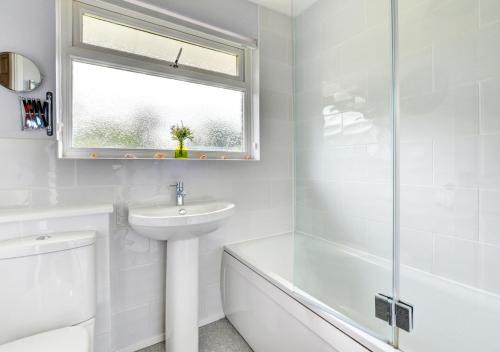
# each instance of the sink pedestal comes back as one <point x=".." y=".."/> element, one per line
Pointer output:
<point x="181" y="316"/>
<point x="181" y="227"/>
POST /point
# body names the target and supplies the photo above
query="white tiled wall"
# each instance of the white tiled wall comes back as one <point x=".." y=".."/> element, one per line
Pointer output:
<point x="32" y="176"/>
<point x="450" y="132"/>
<point x="450" y="127"/>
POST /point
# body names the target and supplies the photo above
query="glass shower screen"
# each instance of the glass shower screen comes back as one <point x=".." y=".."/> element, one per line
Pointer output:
<point x="426" y="182"/>
<point x="343" y="158"/>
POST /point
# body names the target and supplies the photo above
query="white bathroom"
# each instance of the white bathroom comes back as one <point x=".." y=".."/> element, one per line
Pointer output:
<point x="249" y="175"/>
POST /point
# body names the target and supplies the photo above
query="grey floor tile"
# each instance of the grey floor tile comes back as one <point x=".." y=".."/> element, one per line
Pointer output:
<point x="219" y="336"/>
<point x="159" y="347"/>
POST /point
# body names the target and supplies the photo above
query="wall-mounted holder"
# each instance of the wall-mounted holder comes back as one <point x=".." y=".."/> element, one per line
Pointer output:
<point x="37" y="114"/>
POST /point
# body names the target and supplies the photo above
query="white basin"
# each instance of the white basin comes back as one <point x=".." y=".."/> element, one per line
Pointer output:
<point x="181" y="226"/>
<point x="170" y="223"/>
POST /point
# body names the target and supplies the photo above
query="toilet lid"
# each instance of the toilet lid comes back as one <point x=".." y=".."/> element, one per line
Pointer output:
<point x="71" y="339"/>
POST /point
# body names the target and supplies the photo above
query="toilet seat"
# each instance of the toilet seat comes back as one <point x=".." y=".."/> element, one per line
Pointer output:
<point x="70" y="339"/>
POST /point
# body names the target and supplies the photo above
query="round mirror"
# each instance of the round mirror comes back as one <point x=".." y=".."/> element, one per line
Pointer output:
<point x="18" y="73"/>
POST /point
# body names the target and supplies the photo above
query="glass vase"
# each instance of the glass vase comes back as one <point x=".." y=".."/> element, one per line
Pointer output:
<point x="181" y="152"/>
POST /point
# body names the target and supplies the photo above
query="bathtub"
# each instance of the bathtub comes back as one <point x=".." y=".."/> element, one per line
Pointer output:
<point x="273" y="315"/>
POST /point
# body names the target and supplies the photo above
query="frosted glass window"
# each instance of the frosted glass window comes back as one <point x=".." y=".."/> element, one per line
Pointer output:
<point x="119" y="37"/>
<point x="114" y="108"/>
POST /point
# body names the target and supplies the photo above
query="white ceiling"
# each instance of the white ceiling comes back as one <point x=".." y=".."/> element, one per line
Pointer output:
<point x="286" y="6"/>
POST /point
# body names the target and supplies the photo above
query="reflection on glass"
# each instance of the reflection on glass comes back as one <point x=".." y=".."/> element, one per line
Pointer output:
<point x="131" y="40"/>
<point x="347" y="123"/>
<point x="114" y="108"/>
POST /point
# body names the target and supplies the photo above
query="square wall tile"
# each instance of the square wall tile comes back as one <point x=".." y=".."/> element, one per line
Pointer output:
<point x="456" y="161"/>
<point x="276" y="76"/>
<point x="369" y="201"/>
<point x="490" y="106"/>
<point x="310" y="165"/>
<point x="379" y="166"/>
<point x="308" y="105"/>
<point x="210" y="266"/>
<point x="488" y="51"/>
<point x="489" y="216"/>
<point x="489" y="278"/>
<point x="157" y="317"/>
<point x="273" y="221"/>
<point x="345" y="163"/>
<point x="281" y="193"/>
<point x="441" y="210"/>
<point x="251" y="195"/>
<point x="489" y="165"/>
<point x="10" y="230"/>
<point x="368" y="50"/>
<point x="211" y="303"/>
<point x="274" y="21"/>
<point x="416" y="73"/>
<point x="416" y="163"/>
<point x="453" y="112"/>
<point x="15" y="198"/>
<point x="136" y="286"/>
<point x="276" y="133"/>
<point x="379" y="239"/>
<point x="348" y="230"/>
<point x="417" y="249"/>
<point x="344" y="24"/>
<point x="276" y="105"/>
<point x="457" y="260"/>
<point x="378" y="12"/>
<point x="34" y="163"/>
<point x="276" y="46"/>
<point x="72" y="196"/>
<point x="123" y="335"/>
<point x="100" y="172"/>
<point x="131" y="250"/>
<point x="489" y="11"/>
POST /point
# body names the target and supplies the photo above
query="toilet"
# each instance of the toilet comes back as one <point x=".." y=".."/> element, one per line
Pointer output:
<point x="48" y="293"/>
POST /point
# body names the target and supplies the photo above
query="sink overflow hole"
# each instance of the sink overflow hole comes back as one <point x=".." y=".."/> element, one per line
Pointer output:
<point x="43" y="237"/>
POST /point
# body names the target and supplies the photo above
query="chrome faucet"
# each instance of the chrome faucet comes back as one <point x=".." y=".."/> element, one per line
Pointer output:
<point x="179" y="193"/>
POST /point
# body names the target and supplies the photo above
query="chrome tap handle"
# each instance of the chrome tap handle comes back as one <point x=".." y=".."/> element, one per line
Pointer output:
<point x="179" y="186"/>
<point x="179" y="193"/>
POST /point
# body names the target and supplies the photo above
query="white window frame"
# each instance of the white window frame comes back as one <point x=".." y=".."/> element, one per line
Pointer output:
<point x="70" y="48"/>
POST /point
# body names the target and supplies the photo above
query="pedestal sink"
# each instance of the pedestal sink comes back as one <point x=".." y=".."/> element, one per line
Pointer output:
<point x="181" y="226"/>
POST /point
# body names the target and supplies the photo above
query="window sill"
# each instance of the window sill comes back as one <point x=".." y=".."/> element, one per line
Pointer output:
<point x="147" y="155"/>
